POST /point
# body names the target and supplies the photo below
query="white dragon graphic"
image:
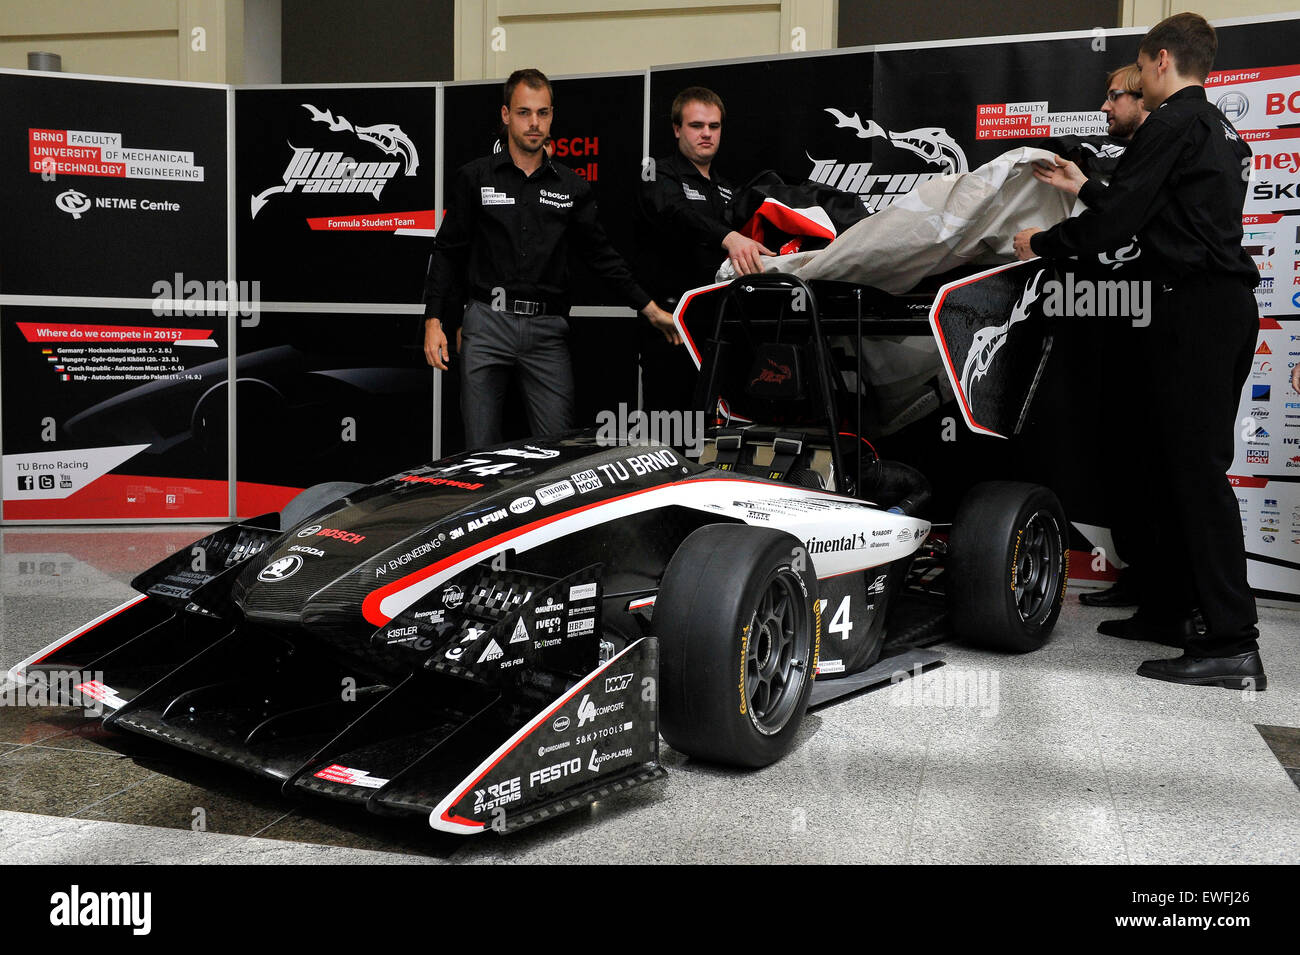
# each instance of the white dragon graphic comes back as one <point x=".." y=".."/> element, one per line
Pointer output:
<point x="989" y="341"/>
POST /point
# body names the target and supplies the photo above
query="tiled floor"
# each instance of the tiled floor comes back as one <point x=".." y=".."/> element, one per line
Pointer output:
<point x="1059" y="756"/>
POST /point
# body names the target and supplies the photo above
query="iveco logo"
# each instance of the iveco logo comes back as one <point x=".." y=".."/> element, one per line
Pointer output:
<point x="72" y="202"/>
<point x="281" y="569"/>
<point x="1233" y="105"/>
<point x="308" y="531"/>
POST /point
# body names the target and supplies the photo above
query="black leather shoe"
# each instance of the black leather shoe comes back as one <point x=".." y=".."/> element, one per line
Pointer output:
<point x="1245" y="671"/>
<point x="1120" y="595"/>
<point x="1135" y="628"/>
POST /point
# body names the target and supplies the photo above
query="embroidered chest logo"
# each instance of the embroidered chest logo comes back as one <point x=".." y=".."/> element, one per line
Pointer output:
<point x="491" y="197"/>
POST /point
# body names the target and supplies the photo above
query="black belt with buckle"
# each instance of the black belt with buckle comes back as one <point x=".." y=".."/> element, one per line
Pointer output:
<point x="517" y="306"/>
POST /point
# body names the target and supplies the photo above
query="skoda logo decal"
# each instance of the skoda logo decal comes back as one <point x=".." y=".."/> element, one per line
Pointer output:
<point x="1233" y="105"/>
<point x="72" y="202"/>
<point x="281" y="569"/>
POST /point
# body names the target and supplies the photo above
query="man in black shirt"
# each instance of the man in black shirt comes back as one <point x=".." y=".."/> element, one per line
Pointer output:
<point x="1098" y="157"/>
<point x="683" y="228"/>
<point x="503" y="248"/>
<point x="1180" y="188"/>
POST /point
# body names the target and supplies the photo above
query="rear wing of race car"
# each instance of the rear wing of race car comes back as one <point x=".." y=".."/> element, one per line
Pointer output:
<point x="993" y="344"/>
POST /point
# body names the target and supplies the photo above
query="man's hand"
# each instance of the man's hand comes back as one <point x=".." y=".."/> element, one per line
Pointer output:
<point x="1060" y="174"/>
<point x="663" y="321"/>
<point x="745" y="254"/>
<point x="1021" y="244"/>
<point x="435" y="344"/>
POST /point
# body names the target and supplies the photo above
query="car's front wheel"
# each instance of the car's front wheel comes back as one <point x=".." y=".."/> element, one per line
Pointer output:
<point x="738" y="628"/>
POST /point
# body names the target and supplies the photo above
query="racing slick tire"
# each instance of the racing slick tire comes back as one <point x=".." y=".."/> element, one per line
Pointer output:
<point x="1008" y="565"/>
<point x="738" y="628"/>
<point x="313" y="499"/>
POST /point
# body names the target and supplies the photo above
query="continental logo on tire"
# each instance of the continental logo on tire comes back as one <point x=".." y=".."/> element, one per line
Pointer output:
<point x="1065" y="567"/>
<point x="1015" y="558"/>
<point x="817" y="636"/>
<point x="744" y="653"/>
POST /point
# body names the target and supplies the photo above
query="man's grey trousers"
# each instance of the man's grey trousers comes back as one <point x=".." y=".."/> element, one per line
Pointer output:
<point x="493" y="345"/>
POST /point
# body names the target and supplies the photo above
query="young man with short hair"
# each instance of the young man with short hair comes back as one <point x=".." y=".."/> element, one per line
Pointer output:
<point x="503" y="244"/>
<point x="683" y="229"/>
<point x="1180" y="188"/>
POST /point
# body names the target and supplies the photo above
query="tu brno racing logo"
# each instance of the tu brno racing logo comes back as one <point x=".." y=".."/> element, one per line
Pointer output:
<point x="932" y="144"/>
<point x="312" y="170"/>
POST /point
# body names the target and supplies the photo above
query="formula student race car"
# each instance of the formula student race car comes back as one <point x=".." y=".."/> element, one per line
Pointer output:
<point x="502" y="635"/>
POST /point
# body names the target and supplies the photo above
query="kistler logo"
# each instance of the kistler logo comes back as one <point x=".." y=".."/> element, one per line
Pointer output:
<point x="72" y="202"/>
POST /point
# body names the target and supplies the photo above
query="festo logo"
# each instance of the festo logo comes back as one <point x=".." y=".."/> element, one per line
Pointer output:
<point x="72" y="202"/>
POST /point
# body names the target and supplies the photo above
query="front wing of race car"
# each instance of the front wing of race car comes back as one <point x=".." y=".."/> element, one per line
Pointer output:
<point x="502" y="731"/>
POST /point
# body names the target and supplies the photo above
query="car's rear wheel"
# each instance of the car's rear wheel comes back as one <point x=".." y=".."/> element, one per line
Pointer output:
<point x="313" y="499"/>
<point x="738" y="631"/>
<point x="1008" y="565"/>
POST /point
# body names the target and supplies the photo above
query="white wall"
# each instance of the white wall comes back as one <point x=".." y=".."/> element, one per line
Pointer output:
<point x="494" y="37"/>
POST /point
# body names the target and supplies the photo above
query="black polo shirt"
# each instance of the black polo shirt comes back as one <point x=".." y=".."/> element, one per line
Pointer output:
<point x="1179" y="187"/>
<point x="681" y="219"/>
<point x="504" y="229"/>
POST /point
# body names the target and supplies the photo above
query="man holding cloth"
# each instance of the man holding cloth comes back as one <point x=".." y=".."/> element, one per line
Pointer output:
<point x="1180" y="188"/>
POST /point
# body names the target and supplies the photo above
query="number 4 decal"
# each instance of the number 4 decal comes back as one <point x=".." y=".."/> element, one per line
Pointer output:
<point x="842" y="624"/>
<point x="485" y="468"/>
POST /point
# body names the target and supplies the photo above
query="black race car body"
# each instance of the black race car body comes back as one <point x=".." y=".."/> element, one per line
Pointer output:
<point x="502" y="635"/>
<point x="470" y="640"/>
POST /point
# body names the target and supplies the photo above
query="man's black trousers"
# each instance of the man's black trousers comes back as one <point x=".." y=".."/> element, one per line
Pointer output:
<point x="1194" y="357"/>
